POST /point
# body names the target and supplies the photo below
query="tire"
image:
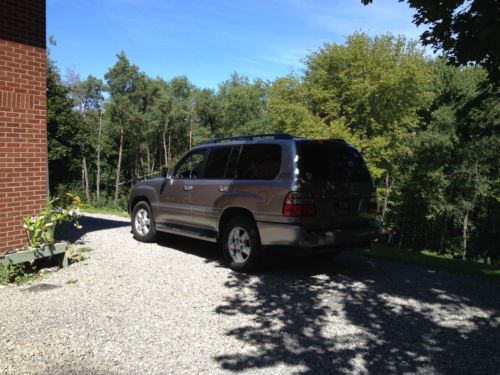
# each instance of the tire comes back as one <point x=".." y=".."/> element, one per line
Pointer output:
<point x="143" y="224"/>
<point x="241" y="244"/>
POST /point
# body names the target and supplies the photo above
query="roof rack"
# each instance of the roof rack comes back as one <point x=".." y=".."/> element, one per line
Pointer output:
<point x="251" y="137"/>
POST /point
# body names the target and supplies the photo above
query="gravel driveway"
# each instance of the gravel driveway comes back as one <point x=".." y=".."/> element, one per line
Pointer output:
<point x="173" y="308"/>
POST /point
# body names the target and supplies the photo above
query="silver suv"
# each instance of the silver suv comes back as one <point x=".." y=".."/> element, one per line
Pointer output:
<point x="251" y="192"/>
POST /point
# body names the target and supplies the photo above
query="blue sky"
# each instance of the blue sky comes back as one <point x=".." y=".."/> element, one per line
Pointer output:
<point x="208" y="40"/>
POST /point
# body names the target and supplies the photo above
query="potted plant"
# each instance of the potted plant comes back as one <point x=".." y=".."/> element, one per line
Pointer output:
<point x="40" y="229"/>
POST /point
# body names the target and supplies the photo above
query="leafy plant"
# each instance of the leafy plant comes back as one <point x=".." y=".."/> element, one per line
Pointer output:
<point x="18" y="273"/>
<point x="40" y="229"/>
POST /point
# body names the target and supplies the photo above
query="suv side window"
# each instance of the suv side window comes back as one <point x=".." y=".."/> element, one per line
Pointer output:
<point x="216" y="162"/>
<point x="259" y="162"/>
<point x="191" y="167"/>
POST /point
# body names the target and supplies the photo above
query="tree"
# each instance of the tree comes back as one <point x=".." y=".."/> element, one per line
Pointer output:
<point x="93" y="103"/>
<point x="122" y="80"/>
<point x="465" y="29"/>
<point x="208" y="113"/>
<point x="369" y="91"/>
<point x="288" y="104"/>
<point x="449" y="187"/>
<point x="147" y="94"/>
<point x="243" y="107"/>
<point x="64" y="132"/>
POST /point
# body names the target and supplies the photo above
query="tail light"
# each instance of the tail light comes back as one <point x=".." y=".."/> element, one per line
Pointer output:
<point x="298" y="204"/>
<point x="372" y="204"/>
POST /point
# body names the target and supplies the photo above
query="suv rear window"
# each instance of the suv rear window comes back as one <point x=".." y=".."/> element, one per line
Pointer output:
<point x="259" y="162"/>
<point x="329" y="161"/>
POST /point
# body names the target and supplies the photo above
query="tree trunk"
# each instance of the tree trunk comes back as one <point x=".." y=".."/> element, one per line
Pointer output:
<point x="388" y="188"/>
<point x="467" y="211"/>
<point x="169" y="149"/>
<point x="400" y="243"/>
<point x="165" y="148"/>
<point x="192" y="122"/>
<point x="119" y="166"/>
<point x="98" y="162"/>
<point x="190" y="135"/>
<point x="443" y="236"/>
<point x="86" y="179"/>
<point x="138" y="169"/>
<point x="464" y="234"/>
<point x="83" y="177"/>
<point x="153" y="160"/>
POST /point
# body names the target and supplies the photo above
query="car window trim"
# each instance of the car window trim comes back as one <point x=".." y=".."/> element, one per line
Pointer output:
<point x="235" y="177"/>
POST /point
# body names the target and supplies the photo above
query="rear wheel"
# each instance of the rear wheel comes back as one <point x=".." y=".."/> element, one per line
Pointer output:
<point x="143" y="225"/>
<point x="241" y="244"/>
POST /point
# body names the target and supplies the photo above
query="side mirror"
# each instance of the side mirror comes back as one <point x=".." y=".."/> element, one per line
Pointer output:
<point x="164" y="172"/>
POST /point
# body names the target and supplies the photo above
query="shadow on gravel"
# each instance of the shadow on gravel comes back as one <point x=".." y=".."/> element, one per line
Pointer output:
<point x="68" y="232"/>
<point x="355" y="314"/>
<point x="211" y="252"/>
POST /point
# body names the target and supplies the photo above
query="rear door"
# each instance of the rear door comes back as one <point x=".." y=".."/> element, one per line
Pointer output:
<point x="336" y="176"/>
<point x="211" y="193"/>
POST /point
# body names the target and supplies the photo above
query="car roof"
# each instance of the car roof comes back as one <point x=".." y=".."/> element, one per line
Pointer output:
<point x="261" y="138"/>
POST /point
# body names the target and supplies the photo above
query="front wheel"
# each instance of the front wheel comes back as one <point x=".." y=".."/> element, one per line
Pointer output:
<point x="143" y="224"/>
<point x="241" y="244"/>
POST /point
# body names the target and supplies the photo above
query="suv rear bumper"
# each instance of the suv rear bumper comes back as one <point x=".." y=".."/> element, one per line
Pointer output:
<point x="294" y="235"/>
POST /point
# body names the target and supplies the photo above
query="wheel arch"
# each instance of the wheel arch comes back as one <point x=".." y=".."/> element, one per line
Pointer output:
<point x="138" y="199"/>
<point x="228" y="214"/>
<point x="147" y="194"/>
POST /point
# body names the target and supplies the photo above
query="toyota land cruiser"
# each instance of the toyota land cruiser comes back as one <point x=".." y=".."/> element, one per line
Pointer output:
<point x="251" y="192"/>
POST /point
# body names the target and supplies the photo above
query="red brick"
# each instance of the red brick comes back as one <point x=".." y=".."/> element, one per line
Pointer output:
<point x="23" y="143"/>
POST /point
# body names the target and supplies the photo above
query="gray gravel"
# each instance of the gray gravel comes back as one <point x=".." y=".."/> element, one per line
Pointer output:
<point x="173" y="308"/>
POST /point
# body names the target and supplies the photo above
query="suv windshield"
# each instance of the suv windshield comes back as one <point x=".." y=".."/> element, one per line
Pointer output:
<point x="331" y="161"/>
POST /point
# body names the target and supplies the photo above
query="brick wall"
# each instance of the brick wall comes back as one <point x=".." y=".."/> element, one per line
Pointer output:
<point x="23" y="129"/>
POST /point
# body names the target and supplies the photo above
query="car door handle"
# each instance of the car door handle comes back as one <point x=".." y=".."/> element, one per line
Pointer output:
<point x="188" y="187"/>
<point x="223" y="188"/>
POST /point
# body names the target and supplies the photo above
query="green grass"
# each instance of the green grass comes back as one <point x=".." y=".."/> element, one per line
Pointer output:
<point x="105" y="210"/>
<point x="430" y="260"/>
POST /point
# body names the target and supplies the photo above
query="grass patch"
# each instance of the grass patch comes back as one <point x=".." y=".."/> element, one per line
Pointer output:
<point x="18" y="273"/>
<point x="430" y="260"/>
<point x="105" y="210"/>
<point x="77" y="254"/>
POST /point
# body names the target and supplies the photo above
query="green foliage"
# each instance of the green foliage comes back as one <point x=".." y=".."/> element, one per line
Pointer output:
<point x="450" y="184"/>
<point x="64" y="131"/>
<point x="288" y="105"/>
<point x="242" y="107"/>
<point x="77" y="254"/>
<point x="465" y="30"/>
<point x="429" y="259"/>
<point x="19" y="274"/>
<point x="40" y="229"/>
<point x="105" y="208"/>
<point x="369" y="90"/>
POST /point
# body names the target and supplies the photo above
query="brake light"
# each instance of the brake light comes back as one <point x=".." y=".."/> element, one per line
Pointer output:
<point x="298" y="205"/>
<point x="372" y="204"/>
